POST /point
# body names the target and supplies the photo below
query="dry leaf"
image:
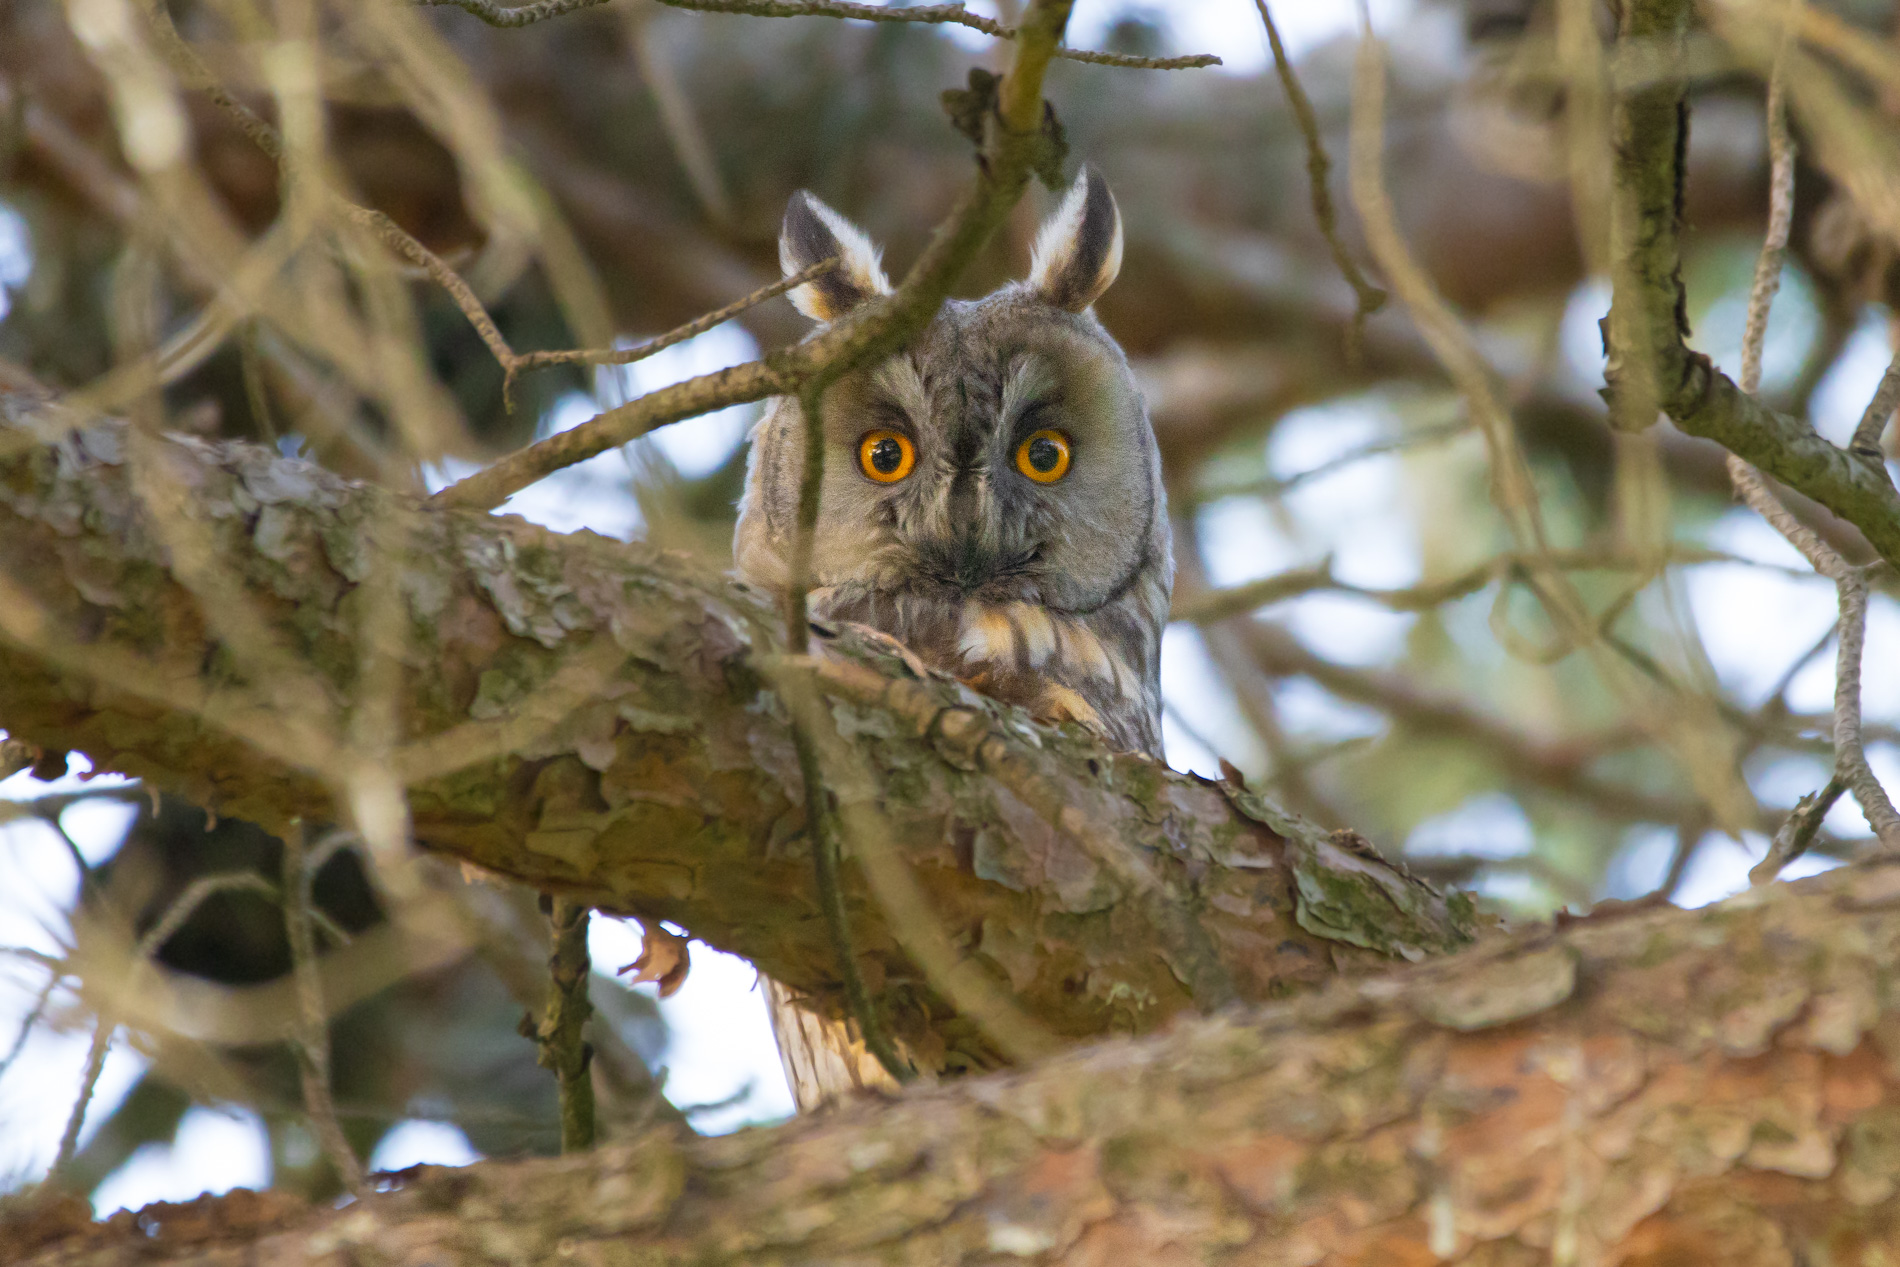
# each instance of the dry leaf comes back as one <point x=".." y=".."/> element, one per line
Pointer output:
<point x="664" y="957"/>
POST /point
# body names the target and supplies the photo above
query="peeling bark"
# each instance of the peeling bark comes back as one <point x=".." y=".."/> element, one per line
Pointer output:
<point x="592" y="718"/>
<point x="1657" y="1087"/>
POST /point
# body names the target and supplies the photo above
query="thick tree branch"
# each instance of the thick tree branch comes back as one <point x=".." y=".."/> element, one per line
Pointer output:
<point x="594" y="719"/>
<point x="1657" y="1086"/>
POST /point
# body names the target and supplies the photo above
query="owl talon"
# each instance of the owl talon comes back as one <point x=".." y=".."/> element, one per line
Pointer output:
<point x="1059" y="704"/>
<point x="890" y="646"/>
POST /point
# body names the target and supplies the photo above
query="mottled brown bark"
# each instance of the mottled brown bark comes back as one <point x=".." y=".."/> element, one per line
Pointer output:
<point x="593" y="718"/>
<point x="1652" y="1087"/>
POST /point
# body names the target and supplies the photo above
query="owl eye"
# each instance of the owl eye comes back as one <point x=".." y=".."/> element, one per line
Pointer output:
<point x="1044" y="456"/>
<point x="886" y="456"/>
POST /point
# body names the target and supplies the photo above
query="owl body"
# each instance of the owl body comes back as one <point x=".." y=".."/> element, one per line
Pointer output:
<point x="992" y="494"/>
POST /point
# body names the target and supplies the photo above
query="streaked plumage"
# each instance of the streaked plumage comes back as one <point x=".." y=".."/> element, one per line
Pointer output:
<point x="1049" y="595"/>
<point x="991" y="498"/>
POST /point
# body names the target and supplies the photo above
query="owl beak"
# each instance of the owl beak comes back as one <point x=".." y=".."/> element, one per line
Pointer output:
<point x="975" y="562"/>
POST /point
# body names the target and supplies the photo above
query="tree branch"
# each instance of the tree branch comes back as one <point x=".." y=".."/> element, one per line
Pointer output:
<point x="595" y="720"/>
<point x="1014" y="140"/>
<point x="1657" y="1086"/>
<point x="1648" y="367"/>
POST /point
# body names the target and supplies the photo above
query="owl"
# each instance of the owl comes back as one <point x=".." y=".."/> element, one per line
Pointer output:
<point x="992" y="494"/>
<point x="991" y="498"/>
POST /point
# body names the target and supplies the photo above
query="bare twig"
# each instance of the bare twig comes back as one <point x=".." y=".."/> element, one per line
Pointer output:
<point x="527" y="361"/>
<point x="928" y="15"/>
<point x="1367" y="297"/>
<point x="559" y="1035"/>
<point x="1274" y="487"/>
<point x="1879" y="412"/>
<point x="820" y="828"/>
<point x="187" y="902"/>
<point x="1689" y="836"/>
<point x="1216" y="605"/>
<point x="311" y="1044"/>
<point x="1850" y="759"/>
<point x="872" y="330"/>
<point x="740" y="385"/>
<point x="88" y="1082"/>
<point x="34" y="1015"/>
<point x="1797" y="831"/>
<point x="1559" y="766"/>
<point x="908" y="914"/>
<point x="821" y="831"/>
<point x="678" y="117"/>
<point x="181" y="909"/>
<point x="1849" y="751"/>
<point x="517" y="15"/>
<point x="932" y="14"/>
<point x="192" y="69"/>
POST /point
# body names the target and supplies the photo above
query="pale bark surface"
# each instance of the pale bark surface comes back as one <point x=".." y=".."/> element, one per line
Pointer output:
<point x="1655" y="1087"/>
<point x="614" y="740"/>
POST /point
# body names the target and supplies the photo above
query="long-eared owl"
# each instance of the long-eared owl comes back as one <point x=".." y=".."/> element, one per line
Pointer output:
<point x="991" y="498"/>
<point x="992" y="494"/>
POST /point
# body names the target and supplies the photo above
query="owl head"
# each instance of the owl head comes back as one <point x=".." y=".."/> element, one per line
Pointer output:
<point x="1002" y="463"/>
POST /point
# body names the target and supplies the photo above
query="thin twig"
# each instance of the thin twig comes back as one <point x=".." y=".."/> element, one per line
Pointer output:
<point x="1879" y="412"/>
<point x="872" y="330"/>
<point x="1774" y="248"/>
<point x="1271" y="487"/>
<point x="311" y="1044"/>
<point x="1367" y="298"/>
<point x="678" y="118"/>
<point x="1689" y="835"/>
<point x="1849" y="743"/>
<point x="192" y="69"/>
<point x="1217" y="605"/>
<point x="907" y="909"/>
<point x="186" y="904"/>
<point x="821" y="832"/>
<point x="820" y="828"/>
<point x="1797" y="832"/>
<point x="933" y="14"/>
<point x="1850" y="759"/>
<point x="520" y="15"/>
<point x="563" y="1049"/>
<point x="811" y="404"/>
<point x="33" y="1017"/>
<point x="929" y="15"/>
<point x="525" y="362"/>
<point x="88" y="1082"/>
<point x="1775" y="704"/>
<point x="181" y="909"/>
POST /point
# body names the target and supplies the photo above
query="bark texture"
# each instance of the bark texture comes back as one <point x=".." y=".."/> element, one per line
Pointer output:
<point x="1653" y="1087"/>
<point x="594" y="719"/>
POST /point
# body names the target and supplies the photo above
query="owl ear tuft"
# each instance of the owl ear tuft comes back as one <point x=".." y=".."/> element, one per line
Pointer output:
<point x="1079" y="249"/>
<point x="813" y="232"/>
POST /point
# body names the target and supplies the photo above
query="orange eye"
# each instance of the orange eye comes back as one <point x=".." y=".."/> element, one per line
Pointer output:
<point x="1044" y="456"/>
<point x="886" y="456"/>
